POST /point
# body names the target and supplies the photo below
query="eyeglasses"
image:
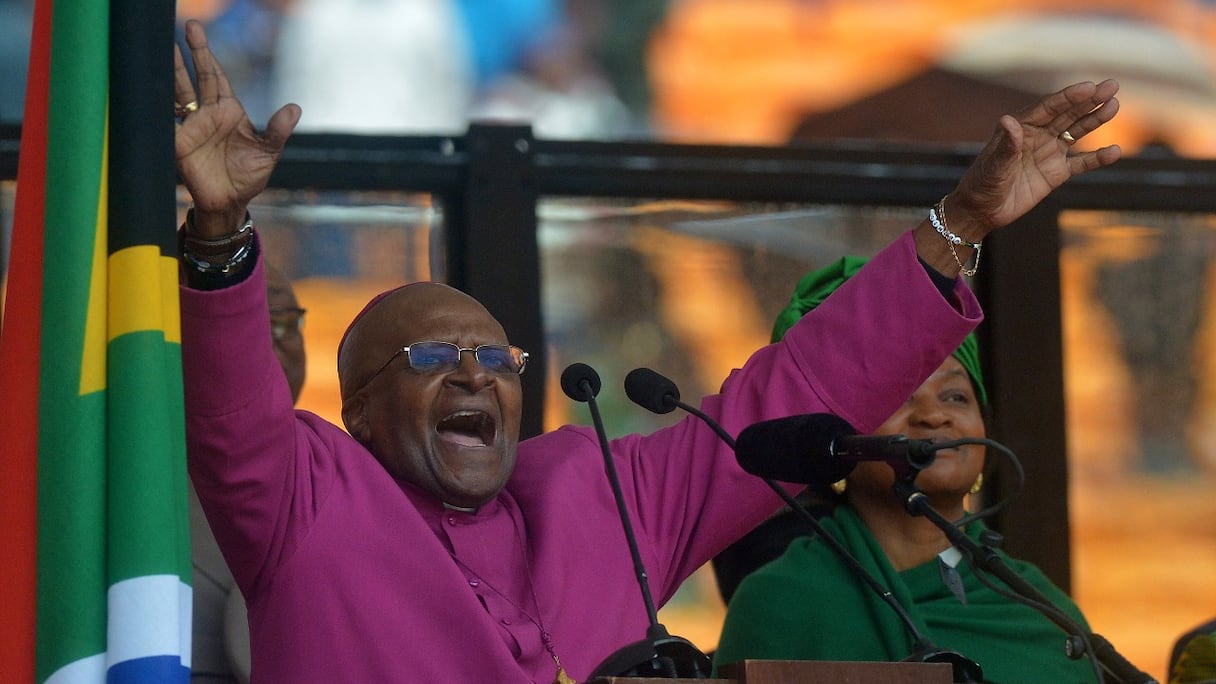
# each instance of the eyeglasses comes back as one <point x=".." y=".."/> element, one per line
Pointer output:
<point x="443" y="357"/>
<point x="284" y="322"/>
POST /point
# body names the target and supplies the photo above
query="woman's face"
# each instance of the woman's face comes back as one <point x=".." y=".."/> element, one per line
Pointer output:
<point x="943" y="408"/>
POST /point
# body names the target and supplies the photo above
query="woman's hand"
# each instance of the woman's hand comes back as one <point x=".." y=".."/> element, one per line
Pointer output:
<point x="1027" y="157"/>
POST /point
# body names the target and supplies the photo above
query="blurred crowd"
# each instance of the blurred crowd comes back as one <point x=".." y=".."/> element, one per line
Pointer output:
<point x="718" y="71"/>
<point x="359" y="65"/>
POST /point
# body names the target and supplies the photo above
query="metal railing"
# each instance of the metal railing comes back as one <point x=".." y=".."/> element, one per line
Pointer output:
<point x="489" y="181"/>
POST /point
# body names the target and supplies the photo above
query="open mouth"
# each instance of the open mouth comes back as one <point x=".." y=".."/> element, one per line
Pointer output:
<point x="467" y="428"/>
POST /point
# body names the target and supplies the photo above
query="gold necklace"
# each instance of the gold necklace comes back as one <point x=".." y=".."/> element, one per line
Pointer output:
<point x="546" y="639"/>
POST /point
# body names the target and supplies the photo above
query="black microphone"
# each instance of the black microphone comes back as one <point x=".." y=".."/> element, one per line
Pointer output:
<point x="660" y="654"/>
<point x="581" y="383"/>
<point x="656" y="393"/>
<point x="820" y="448"/>
<point x="795" y="449"/>
<point x="906" y="456"/>
<point x="651" y="391"/>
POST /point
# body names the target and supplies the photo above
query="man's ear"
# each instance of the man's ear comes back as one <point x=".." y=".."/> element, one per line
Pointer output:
<point x="354" y="416"/>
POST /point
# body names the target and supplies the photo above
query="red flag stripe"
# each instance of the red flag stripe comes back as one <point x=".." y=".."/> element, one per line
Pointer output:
<point x="19" y="363"/>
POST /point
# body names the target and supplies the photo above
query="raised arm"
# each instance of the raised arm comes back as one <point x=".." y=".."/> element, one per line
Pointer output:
<point x="1029" y="155"/>
<point x="223" y="160"/>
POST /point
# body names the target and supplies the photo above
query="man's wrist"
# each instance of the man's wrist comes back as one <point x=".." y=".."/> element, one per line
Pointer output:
<point x="209" y="225"/>
<point x="211" y="264"/>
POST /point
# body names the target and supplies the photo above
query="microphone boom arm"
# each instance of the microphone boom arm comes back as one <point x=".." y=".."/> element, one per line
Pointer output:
<point x="986" y="559"/>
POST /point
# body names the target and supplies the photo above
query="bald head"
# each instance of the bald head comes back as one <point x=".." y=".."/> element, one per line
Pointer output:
<point x="450" y="429"/>
<point x="389" y="322"/>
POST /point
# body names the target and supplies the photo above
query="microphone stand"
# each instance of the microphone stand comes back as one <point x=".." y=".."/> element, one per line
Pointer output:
<point x="660" y="654"/>
<point x="984" y="557"/>
<point x="964" y="671"/>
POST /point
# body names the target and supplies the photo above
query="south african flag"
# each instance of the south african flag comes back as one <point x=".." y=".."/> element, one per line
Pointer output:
<point x="95" y="582"/>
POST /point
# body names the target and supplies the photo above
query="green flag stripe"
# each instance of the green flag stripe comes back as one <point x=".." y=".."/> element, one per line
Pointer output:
<point x="71" y="477"/>
<point x="71" y="540"/>
<point x="147" y="457"/>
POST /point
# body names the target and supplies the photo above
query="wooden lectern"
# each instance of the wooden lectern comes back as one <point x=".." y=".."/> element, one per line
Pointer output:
<point x="811" y="672"/>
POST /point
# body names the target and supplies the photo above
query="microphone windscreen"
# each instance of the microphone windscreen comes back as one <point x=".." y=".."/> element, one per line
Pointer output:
<point x="651" y="390"/>
<point x="795" y="449"/>
<point x="573" y="378"/>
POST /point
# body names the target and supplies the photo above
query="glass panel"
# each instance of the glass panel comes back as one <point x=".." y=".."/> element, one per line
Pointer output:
<point x="340" y="249"/>
<point x="1141" y="395"/>
<point x="688" y="289"/>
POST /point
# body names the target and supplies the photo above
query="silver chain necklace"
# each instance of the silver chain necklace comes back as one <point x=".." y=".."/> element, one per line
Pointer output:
<point x="547" y="639"/>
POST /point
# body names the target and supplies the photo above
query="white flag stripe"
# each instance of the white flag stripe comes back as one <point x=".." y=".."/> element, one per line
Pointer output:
<point x="146" y="615"/>
<point x="91" y="670"/>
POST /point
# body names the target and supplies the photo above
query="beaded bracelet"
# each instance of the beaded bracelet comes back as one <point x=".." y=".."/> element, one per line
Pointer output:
<point x="937" y="217"/>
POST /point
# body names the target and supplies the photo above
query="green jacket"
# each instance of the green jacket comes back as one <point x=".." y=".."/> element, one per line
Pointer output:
<point x="807" y="605"/>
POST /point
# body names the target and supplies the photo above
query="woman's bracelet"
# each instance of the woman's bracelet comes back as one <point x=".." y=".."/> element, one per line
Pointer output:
<point x="937" y="217"/>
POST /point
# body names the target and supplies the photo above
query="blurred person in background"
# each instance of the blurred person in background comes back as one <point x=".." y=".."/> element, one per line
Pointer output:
<point x="535" y="61"/>
<point x="357" y="65"/>
<point x="375" y="66"/>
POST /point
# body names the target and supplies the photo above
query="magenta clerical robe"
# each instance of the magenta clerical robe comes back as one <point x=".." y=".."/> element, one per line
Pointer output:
<point x="353" y="576"/>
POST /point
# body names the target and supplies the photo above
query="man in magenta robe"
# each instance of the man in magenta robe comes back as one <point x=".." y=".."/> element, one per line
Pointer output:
<point x="425" y="542"/>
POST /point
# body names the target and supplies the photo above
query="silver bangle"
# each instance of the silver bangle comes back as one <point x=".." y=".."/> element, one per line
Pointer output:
<point x="224" y="268"/>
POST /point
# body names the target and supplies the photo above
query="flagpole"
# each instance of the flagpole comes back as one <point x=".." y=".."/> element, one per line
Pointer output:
<point x="143" y="178"/>
<point x="149" y="596"/>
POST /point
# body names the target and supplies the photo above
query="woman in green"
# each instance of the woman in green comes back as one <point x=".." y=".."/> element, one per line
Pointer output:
<point x="806" y="605"/>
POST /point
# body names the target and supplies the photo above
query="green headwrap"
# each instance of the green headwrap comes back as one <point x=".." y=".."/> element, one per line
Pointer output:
<point x="817" y="285"/>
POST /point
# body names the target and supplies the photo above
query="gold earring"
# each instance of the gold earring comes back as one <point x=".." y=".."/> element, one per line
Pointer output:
<point x="839" y="486"/>
<point x="979" y="484"/>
